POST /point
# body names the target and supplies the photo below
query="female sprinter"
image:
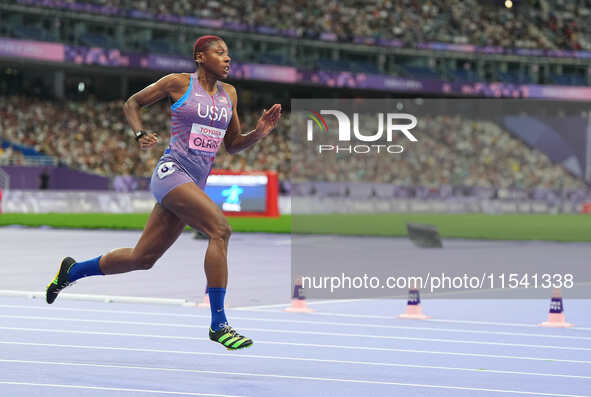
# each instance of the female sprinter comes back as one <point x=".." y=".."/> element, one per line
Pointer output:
<point x="203" y="114"/>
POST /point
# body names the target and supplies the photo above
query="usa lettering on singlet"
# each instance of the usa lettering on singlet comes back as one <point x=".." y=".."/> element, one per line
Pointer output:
<point x="198" y="125"/>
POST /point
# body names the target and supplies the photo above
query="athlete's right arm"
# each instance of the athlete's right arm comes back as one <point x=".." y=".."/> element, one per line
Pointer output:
<point x="170" y="85"/>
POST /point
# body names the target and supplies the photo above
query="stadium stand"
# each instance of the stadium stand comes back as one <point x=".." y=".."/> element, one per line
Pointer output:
<point x="534" y="25"/>
<point x="530" y="24"/>
<point x="93" y="136"/>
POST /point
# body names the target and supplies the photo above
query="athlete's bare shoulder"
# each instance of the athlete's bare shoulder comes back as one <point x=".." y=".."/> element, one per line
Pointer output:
<point x="174" y="82"/>
<point x="172" y="85"/>
<point x="228" y="87"/>
<point x="231" y="90"/>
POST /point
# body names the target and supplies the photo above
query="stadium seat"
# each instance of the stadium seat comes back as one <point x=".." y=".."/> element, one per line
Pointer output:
<point x="29" y="32"/>
<point x="421" y="72"/>
<point x="159" y="47"/>
<point x="96" y="40"/>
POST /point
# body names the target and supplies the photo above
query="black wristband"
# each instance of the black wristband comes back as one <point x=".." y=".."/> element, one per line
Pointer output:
<point x="139" y="134"/>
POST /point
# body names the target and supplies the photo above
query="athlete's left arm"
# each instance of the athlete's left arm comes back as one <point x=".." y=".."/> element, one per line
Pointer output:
<point x="236" y="141"/>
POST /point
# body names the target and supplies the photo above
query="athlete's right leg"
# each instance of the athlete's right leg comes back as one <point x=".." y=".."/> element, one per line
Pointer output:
<point x="190" y="203"/>
<point x="161" y="231"/>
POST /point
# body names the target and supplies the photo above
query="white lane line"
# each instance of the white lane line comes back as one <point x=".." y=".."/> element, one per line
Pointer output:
<point x="109" y="311"/>
<point x="320" y="333"/>
<point x="314" y="322"/>
<point x="320" y="302"/>
<point x="429" y="320"/>
<point x="315" y="345"/>
<point x="313" y="378"/>
<point x="101" y="298"/>
<point x="440" y="320"/>
<point x="256" y="309"/>
<point x="118" y="389"/>
<point x="407" y="338"/>
<point x="304" y="359"/>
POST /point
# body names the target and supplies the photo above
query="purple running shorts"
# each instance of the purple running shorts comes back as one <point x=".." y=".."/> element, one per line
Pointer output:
<point x="167" y="175"/>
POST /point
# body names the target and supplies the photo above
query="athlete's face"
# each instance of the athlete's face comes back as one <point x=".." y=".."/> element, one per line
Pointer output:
<point x="216" y="59"/>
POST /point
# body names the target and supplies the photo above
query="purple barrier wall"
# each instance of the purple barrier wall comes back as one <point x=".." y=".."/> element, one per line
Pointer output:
<point x="573" y="130"/>
<point x="562" y="139"/>
<point x="288" y="74"/>
<point x="446" y="192"/>
<point x="60" y="178"/>
<point x="32" y="50"/>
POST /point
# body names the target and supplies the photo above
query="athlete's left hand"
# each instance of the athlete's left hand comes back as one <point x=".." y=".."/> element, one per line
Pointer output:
<point x="268" y="120"/>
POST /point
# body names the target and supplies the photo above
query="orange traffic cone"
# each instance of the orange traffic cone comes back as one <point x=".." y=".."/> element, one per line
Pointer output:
<point x="298" y="300"/>
<point x="413" y="306"/>
<point x="205" y="302"/>
<point x="556" y="318"/>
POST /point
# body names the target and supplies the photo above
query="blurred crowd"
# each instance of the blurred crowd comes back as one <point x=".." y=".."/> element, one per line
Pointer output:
<point x="546" y="24"/>
<point x="11" y="156"/>
<point x="94" y="136"/>
<point x="90" y="136"/>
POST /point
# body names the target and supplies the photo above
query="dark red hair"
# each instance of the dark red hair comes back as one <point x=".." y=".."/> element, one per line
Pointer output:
<point x="203" y="42"/>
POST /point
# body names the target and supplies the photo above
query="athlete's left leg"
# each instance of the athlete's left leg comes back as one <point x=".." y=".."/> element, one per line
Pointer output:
<point x="161" y="231"/>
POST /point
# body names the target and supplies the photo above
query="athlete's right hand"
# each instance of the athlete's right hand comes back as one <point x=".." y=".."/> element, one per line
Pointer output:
<point x="149" y="140"/>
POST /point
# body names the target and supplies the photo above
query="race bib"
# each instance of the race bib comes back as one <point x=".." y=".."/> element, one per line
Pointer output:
<point x="205" y="138"/>
<point x="165" y="169"/>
